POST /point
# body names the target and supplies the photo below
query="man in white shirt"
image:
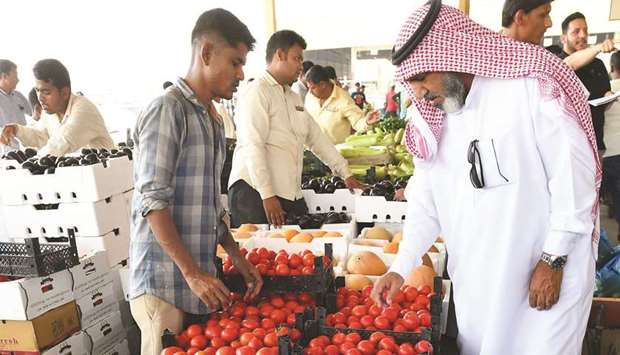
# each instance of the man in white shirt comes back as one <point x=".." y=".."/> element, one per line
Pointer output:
<point x="13" y="105"/>
<point x="507" y="172"/>
<point x="301" y="86"/>
<point x="272" y="129"/>
<point x="611" y="135"/>
<point x="70" y="121"/>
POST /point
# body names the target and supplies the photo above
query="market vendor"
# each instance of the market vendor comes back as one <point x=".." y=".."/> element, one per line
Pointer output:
<point x="178" y="217"/>
<point x="70" y="122"/>
<point x="507" y="172"/>
<point x="333" y="108"/>
<point x="273" y="127"/>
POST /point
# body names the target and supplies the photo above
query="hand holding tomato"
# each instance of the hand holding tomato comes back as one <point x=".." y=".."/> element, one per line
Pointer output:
<point x="209" y="289"/>
<point x="390" y="282"/>
<point x="251" y="276"/>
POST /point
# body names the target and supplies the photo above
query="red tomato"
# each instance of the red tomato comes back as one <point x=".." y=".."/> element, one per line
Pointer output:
<point x="390" y="313"/>
<point x="295" y="334"/>
<point x="353" y="301"/>
<point x="225" y="350"/>
<point x="332" y="350"/>
<point x="411" y="293"/>
<point x="374" y="310"/>
<point x="265" y="310"/>
<point x="237" y="310"/>
<point x="376" y="337"/>
<point x="207" y="351"/>
<point x="399" y="328"/>
<point x="367" y="321"/>
<point x="277" y="302"/>
<point x="282" y="270"/>
<point x="183" y="340"/>
<point x="423" y="300"/>
<point x="230" y="334"/>
<point x="253" y="257"/>
<point x="305" y="298"/>
<point x="425" y="319"/>
<point x="359" y="311"/>
<point x="217" y="342"/>
<point x="338" y="338"/>
<point x="398" y="298"/>
<point x="271" y="339"/>
<point x="353" y="338"/>
<point x="316" y="343"/>
<point x="265" y="351"/>
<point x="192" y="351"/>
<point x="194" y="330"/>
<point x="356" y="325"/>
<point x="251" y="324"/>
<point x="344" y="347"/>
<point x="388" y="344"/>
<point x="282" y="259"/>
<point x="259" y="332"/>
<point x="278" y="316"/>
<point x="267" y="323"/>
<point x="353" y="319"/>
<point x="295" y="272"/>
<point x="406" y="349"/>
<point x="382" y="323"/>
<point x="290" y="319"/>
<point x="295" y="261"/>
<point x="339" y="317"/>
<point x="256" y="344"/>
<point x="171" y="350"/>
<point x="314" y="351"/>
<point x="366" y="347"/>
<point x="263" y="253"/>
<point x="199" y="341"/>
<point x="425" y="290"/>
<point x="236" y="344"/>
<point x="282" y="331"/>
<point x="384" y="352"/>
<point x="308" y="260"/>
<point x="246" y="337"/>
<point x="245" y="350"/>
<point x="424" y="346"/>
<point x="251" y="311"/>
<point x="180" y="353"/>
<point x="353" y="352"/>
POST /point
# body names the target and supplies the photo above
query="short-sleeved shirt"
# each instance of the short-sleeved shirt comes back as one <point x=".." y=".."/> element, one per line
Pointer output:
<point x="178" y="160"/>
<point x="13" y="109"/>
<point x="595" y="78"/>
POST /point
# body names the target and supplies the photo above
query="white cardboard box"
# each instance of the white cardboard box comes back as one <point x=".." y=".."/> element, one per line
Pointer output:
<point x="89" y="273"/>
<point x="121" y="348"/>
<point x="28" y="298"/>
<point x="74" y="345"/>
<point x="115" y="245"/>
<point x="378" y="209"/>
<point x="342" y="200"/>
<point x="97" y="304"/>
<point x="123" y="273"/>
<point x="103" y="335"/>
<point x="88" y="219"/>
<point x="67" y="184"/>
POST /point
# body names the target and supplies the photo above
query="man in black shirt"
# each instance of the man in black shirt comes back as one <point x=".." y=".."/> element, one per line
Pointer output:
<point x="593" y="75"/>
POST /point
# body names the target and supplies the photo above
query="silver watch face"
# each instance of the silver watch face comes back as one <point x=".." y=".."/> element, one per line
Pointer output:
<point x="557" y="262"/>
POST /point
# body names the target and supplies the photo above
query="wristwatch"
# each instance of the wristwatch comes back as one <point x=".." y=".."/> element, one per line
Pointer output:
<point x="554" y="261"/>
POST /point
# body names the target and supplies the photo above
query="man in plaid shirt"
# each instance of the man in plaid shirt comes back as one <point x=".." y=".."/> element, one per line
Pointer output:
<point x="177" y="217"/>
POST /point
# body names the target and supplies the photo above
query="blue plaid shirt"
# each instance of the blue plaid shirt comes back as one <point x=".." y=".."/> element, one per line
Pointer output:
<point x="179" y="155"/>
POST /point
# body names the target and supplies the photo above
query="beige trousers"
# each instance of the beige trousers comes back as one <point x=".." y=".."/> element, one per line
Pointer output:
<point x="153" y="316"/>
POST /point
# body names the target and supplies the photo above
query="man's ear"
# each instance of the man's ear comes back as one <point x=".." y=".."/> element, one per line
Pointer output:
<point x="65" y="93"/>
<point x="206" y="52"/>
<point x="563" y="39"/>
<point x="519" y="17"/>
<point x="281" y="55"/>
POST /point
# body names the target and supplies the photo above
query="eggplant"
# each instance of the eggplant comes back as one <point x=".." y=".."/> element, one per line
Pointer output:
<point x="377" y="191"/>
<point x="336" y="179"/>
<point x="30" y="152"/>
<point x="329" y="189"/>
<point x="340" y="185"/>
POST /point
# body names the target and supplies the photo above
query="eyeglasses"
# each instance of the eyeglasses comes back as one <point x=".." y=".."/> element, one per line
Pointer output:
<point x="476" y="174"/>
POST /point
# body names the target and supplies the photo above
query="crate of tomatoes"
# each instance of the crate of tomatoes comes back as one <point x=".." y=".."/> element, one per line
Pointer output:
<point x="283" y="271"/>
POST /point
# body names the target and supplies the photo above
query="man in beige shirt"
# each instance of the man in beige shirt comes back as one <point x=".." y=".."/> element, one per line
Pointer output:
<point x="272" y="129"/>
<point x="333" y="108"/>
<point x="70" y="122"/>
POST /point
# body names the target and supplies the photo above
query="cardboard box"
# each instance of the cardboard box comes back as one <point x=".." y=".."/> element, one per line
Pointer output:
<point x="103" y="335"/>
<point x="116" y="246"/>
<point x="28" y="298"/>
<point x="67" y="184"/>
<point x="72" y="346"/>
<point x="121" y="348"/>
<point x="378" y="209"/>
<point x="89" y="273"/>
<point x="123" y="275"/>
<point x="88" y="219"/>
<point x="41" y="332"/>
<point x="97" y="304"/>
<point x="342" y="200"/>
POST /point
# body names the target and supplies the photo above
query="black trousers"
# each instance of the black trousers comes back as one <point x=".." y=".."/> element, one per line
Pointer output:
<point x="246" y="205"/>
<point x="611" y="178"/>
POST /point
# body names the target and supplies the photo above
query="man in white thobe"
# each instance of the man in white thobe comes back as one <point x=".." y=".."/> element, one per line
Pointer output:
<point x="507" y="173"/>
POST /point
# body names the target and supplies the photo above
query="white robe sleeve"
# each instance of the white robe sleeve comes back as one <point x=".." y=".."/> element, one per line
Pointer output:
<point x="421" y="224"/>
<point x="569" y="164"/>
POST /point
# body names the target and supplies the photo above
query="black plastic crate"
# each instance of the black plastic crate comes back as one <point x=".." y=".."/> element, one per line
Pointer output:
<point x="31" y="259"/>
<point x="319" y="283"/>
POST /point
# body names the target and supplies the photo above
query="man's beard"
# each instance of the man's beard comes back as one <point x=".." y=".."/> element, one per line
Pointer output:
<point x="454" y="97"/>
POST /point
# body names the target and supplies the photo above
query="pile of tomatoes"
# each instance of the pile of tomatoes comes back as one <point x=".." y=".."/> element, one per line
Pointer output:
<point x="270" y="263"/>
<point x="352" y="344"/>
<point x="244" y="329"/>
<point x="409" y="310"/>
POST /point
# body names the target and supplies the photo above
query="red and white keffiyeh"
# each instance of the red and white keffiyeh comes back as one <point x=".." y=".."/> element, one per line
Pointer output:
<point x="455" y="43"/>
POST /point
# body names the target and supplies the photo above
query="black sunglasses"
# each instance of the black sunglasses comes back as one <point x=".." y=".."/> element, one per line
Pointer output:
<point x="473" y="157"/>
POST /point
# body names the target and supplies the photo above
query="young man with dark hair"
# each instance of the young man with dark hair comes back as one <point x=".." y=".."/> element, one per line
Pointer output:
<point x="300" y="86"/>
<point x="13" y="105"/>
<point x="178" y="217"/>
<point x="33" y="98"/>
<point x="332" y="107"/>
<point x="272" y="129"/>
<point x="593" y="75"/>
<point x="70" y="122"/>
<point x="526" y="20"/>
